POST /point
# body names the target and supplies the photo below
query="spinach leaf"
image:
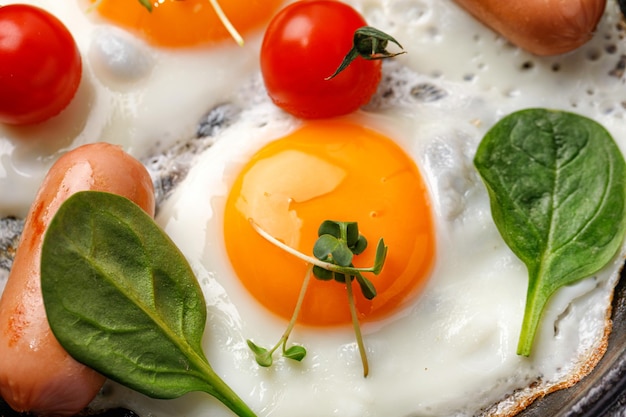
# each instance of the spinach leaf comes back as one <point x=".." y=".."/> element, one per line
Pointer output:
<point x="557" y="186"/>
<point x="122" y="299"/>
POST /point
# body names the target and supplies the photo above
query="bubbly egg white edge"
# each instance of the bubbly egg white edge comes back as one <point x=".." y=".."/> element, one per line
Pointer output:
<point x="457" y="340"/>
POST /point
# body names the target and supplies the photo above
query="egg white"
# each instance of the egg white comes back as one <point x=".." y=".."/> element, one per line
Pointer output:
<point x="452" y="350"/>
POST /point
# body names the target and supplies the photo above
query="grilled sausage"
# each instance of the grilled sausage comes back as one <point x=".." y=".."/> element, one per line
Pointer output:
<point x="36" y="373"/>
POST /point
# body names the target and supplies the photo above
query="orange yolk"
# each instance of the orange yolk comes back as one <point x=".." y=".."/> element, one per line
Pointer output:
<point x="329" y="170"/>
<point x="178" y="23"/>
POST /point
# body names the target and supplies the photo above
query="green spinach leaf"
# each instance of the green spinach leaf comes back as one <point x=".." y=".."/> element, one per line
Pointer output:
<point x="557" y="186"/>
<point x="122" y="299"/>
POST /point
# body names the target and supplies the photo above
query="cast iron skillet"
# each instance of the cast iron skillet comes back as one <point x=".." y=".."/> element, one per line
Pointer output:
<point x="602" y="393"/>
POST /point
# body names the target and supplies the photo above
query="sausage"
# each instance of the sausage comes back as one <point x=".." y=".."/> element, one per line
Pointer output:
<point x="36" y="373"/>
<point x="542" y="27"/>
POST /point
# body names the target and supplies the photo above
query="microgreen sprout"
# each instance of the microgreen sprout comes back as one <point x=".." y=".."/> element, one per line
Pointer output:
<point x="334" y="250"/>
<point x="264" y="357"/>
<point x="368" y="43"/>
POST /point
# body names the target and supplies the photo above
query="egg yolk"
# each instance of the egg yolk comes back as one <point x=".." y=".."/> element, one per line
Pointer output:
<point x="179" y="23"/>
<point x="329" y="170"/>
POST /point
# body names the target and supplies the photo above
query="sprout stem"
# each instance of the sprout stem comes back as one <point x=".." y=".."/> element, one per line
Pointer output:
<point x="93" y="6"/>
<point x="226" y="22"/>
<point x="357" y="328"/>
<point x="296" y="310"/>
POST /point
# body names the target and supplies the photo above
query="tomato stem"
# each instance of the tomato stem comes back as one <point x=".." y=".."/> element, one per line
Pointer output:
<point x="368" y="43"/>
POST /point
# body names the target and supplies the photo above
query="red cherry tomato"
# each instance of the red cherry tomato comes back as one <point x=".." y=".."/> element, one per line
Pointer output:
<point x="40" y="65"/>
<point x="304" y="44"/>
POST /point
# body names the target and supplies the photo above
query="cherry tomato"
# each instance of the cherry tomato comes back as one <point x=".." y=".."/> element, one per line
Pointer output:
<point x="303" y="45"/>
<point x="40" y="66"/>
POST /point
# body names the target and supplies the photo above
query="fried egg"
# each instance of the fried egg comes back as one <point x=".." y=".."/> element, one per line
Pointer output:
<point x="444" y="342"/>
